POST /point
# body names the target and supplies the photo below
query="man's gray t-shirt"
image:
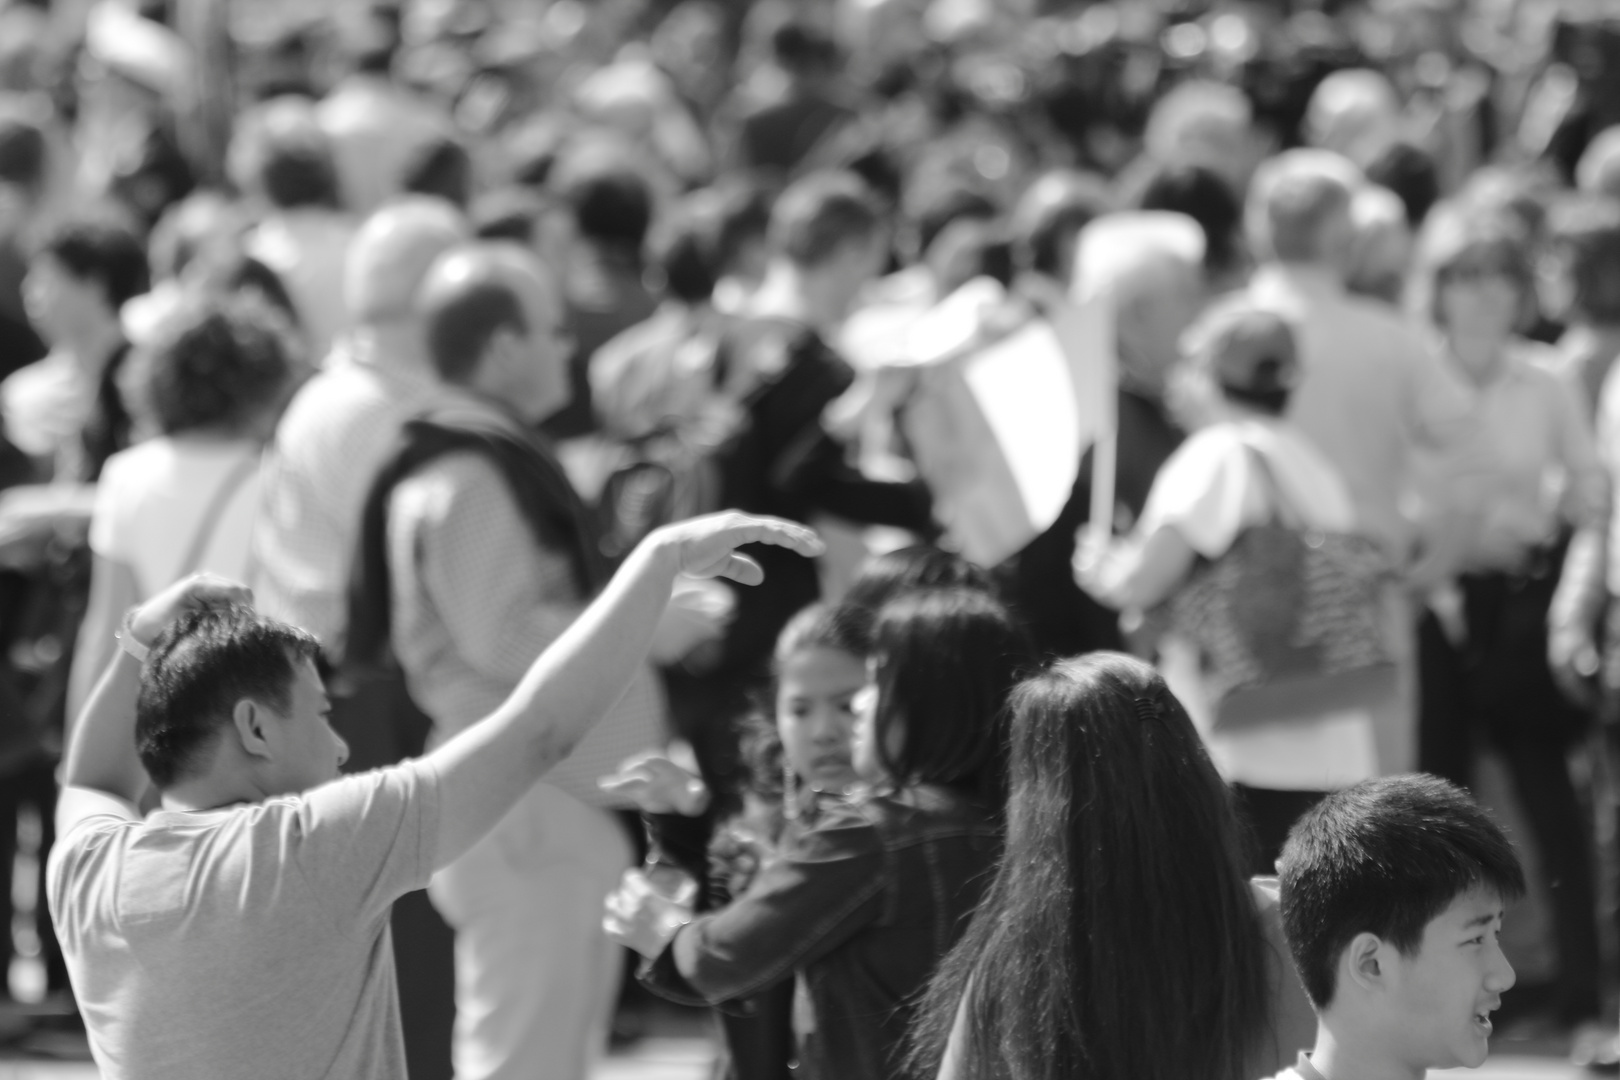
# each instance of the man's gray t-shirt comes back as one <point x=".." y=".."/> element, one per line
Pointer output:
<point x="250" y="941"/>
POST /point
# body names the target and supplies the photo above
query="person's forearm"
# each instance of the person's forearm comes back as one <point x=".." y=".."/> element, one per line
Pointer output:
<point x="101" y="752"/>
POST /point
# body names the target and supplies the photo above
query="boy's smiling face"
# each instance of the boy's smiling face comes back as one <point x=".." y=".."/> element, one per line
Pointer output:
<point x="1441" y="996"/>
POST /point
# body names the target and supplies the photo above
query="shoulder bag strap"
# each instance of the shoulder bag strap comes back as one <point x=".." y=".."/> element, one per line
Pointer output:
<point x="209" y="525"/>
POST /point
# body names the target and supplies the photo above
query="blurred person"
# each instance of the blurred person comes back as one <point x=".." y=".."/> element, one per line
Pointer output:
<point x="606" y="209"/>
<point x="215" y="377"/>
<point x="192" y="237"/>
<point x="1046" y="222"/>
<point x="131" y="82"/>
<point x="1155" y="287"/>
<point x="634" y="98"/>
<point x="792" y="103"/>
<point x="276" y="957"/>
<point x="280" y="156"/>
<point x="1383" y="244"/>
<point x="1200" y="123"/>
<point x="1246" y="467"/>
<point x="63" y="417"/>
<point x="473" y="552"/>
<point x="1356" y="113"/>
<point x="374" y="123"/>
<point x="1065" y="961"/>
<point x="441" y="168"/>
<point x="1204" y="196"/>
<point x="1412" y="175"/>
<point x="339" y="427"/>
<point x="1371" y="388"/>
<point x="1501" y="507"/>
<point x="921" y="841"/>
<point x="1583" y="257"/>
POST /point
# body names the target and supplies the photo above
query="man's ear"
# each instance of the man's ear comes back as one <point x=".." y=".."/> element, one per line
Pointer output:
<point x="249" y="720"/>
<point x="1365" y="962"/>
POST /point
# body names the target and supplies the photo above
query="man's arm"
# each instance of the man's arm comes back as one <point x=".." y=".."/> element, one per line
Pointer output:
<point x="102" y="773"/>
<point x="487" y="767"/>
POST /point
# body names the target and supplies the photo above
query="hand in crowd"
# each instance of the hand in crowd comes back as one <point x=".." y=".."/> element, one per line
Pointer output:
<point x="706" y="547"/>
<point x="658" y="785"/>
<point x="698" y="614"/>
<point x="644" y="914"/>
<point x="195" y="593"/>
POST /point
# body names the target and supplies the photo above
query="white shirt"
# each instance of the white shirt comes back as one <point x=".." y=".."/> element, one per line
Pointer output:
<point x="1209" y="490"/>
<point x="151" y="503"/>
<point x="308" y="249"/>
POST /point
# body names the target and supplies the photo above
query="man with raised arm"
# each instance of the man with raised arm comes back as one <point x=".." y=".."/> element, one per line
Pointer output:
<point x="242" y="929"/>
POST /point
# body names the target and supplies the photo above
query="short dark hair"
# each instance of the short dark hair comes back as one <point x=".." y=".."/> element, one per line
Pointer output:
<point x="908" y="569"/>
<point x="460" y="325"/>
<point x="297" y="172"/>
<point x="200" y="667"/>
<point x="508" y="213"/>
<point x="443" y="168"/>
<point x="1203" y="195"/>
<point x="818" y="216"/>
<point x="946" y="661"/>
<point x="1385" y="857"/>
<point x="102" y="250"/>
<point x="22" y="150"/>
<point x="219" y="364"/>
<point x="1410" y="172"/>
<point x="683" y="253"/>
<point x="1587" y="228"/>
<point x="606" y="194"/>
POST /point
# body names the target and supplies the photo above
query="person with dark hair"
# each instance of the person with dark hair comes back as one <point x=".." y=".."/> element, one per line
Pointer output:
<point x="606" y="204"/>
<point x="776" y="119"/>
<point x="1411" y="174"/>
<point x="1392" y="900"/>
<point x="442" y="168"/>
<point x="1046" y="223"/>
<point x="911" y="568"/>
<point x="280" y="155"/>
<point x="829" y="906"/>
<point x="1246" y="467"/>
<point x="474" y="551"/>
<point x="214" y="379"/>
<point x="1202" y="195"/>
<point x="1121" y="900"/>
<point x="274" y="957"/>
<point x="1498" y="537"/>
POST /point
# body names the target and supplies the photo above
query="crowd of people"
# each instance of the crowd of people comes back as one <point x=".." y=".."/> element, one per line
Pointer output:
<point x="389" y="387"/>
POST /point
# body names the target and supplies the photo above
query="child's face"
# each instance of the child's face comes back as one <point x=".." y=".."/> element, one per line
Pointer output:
<point x="1443" y="994"/>
<point x="815" y="715"/>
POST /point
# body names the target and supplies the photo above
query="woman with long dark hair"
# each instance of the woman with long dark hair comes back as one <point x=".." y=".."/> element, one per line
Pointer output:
<point x="1120" y="937"/>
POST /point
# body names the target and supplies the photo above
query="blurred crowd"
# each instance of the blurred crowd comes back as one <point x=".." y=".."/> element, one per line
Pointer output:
<point x="417" y="316"/>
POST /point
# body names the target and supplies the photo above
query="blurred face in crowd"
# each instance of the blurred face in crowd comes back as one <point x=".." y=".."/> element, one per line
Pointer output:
<point x="1482" y="301"/>
<point x="58" y="301"/>
<point x="528" y="370"/>
<point x="815" y="715"/>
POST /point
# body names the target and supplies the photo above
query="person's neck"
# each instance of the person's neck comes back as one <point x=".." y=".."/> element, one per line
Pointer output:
<point x="213" y="792"/>
<point x="395" y="347"/>
<point x="91" y="345"/>
<point x="1480" y="358"/>
<point x="788" y="292"/>
<point x="1358" y="1057"/>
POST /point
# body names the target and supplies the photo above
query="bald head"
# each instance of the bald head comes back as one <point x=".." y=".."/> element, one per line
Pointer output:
<point x="392" y="252"/>
<point x="478" y="294"/>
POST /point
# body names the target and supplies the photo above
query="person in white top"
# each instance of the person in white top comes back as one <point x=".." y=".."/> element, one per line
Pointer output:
<point x="242" y="929"/>
<point x="1230" y="475"/>
<point x="215" y="380"/>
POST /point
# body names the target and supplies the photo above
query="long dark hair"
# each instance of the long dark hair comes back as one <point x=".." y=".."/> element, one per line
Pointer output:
<point x="1119" y="938"/>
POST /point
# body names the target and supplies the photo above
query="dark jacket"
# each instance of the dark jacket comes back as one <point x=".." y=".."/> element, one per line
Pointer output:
<point x="861" y="905"/>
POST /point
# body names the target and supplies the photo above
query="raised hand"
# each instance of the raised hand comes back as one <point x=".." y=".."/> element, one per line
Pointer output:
<point x="658" y="786"/>
<point x="707" y="546"/>
<point x="195" y="593"/>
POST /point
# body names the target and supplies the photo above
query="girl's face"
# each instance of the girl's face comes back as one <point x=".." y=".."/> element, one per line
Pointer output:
<point x="815" y="715"/>
<point x="1483" y="301"/>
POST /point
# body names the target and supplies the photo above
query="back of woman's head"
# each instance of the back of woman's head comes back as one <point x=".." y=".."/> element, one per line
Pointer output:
<point x="946" y="659"/>
<point x="917" y="566"/>
<point x="220" y="365"/>
<point x="1121" y="899"/>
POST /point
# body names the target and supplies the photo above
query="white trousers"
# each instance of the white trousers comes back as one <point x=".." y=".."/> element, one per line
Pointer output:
<point x="536" y="979"/>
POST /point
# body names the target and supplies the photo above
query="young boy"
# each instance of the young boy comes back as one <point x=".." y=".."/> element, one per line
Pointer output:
<point x="1392" y="898"/>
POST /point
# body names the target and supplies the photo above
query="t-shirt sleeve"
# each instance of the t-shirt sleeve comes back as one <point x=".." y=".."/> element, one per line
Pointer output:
<point x="1206" y="493"/>
<point x="364" y="841"/>
<point x="109" y="520"/>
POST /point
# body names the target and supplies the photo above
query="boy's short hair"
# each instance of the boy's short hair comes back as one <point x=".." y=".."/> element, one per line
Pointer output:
<point x="199" y="668"/>
<point x="1385" y="857"/>
<point x="816" y="217"/>
<point x="102" y="249"/>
